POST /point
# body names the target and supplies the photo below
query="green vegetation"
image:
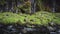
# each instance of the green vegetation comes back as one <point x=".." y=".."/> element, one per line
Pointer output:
<point x="57" y="18"/>
<point x="2" y="2"/>
<point x="26" y="7"/>
<point x="8" y="17"/>
<point x="39" y="18"/>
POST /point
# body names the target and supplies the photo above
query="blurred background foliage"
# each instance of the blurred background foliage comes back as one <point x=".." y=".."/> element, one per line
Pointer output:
<point x="26" y="6"/>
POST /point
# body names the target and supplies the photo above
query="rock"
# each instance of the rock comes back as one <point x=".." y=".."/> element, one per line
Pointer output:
<point x="53" y="33"/>
<point x="9" y="29"/>
<point x="20" y="33"/>
<point x="1" y="25"/>
<point x="51" y="28"/>
<point x="58" y="31"/>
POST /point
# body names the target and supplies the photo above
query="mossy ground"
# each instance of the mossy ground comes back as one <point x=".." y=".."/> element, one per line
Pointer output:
<point x="39" y="18"/>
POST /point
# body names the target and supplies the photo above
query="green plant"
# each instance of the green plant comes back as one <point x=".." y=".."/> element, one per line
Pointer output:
<point x="26" y="7"/>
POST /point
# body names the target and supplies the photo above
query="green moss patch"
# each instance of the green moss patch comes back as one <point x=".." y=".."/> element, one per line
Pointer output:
<point x="39" y="18"/>
<point x="57" y="18"/>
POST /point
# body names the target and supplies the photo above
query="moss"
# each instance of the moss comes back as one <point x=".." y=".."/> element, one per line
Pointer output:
<point x="32" y="20"/>
<point x="57" y="18"/>
<point x="39" y="18"/>
<point x="8" y="17"/>
<point x="45" y="17"/>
